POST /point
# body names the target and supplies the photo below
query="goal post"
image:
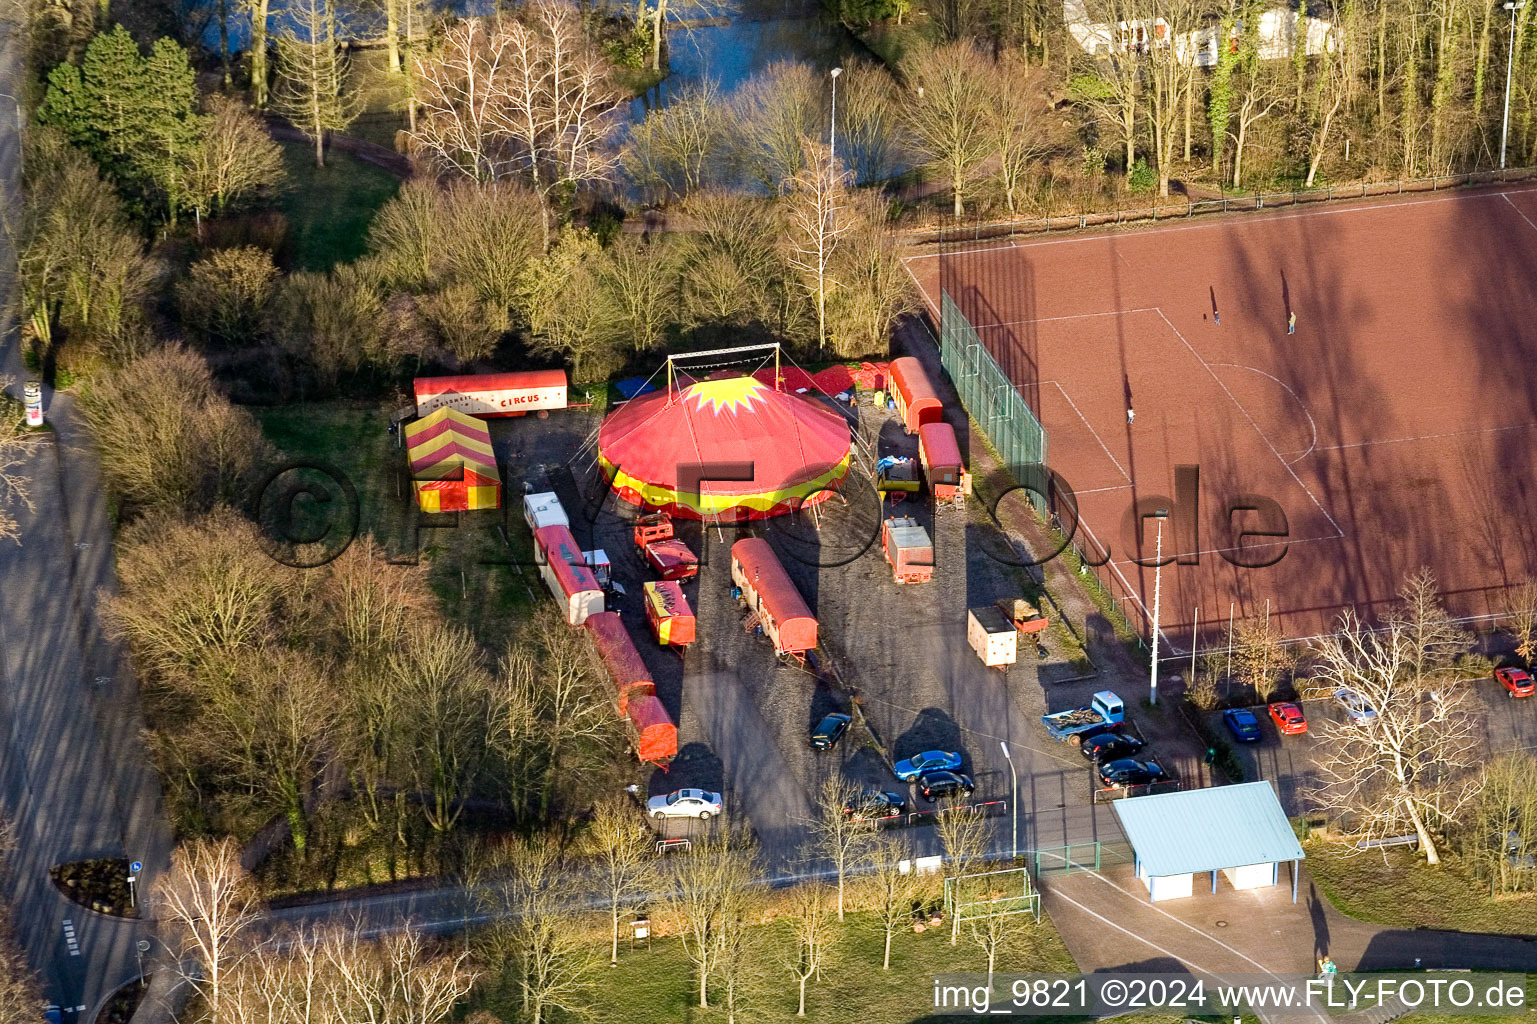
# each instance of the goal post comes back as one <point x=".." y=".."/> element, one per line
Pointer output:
<point x="995" y="893"/>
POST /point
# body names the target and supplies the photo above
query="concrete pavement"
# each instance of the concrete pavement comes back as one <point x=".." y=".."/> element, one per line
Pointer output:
<point x="74" y="777"/>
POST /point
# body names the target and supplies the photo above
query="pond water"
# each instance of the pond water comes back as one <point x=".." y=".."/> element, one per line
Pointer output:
<point x="759" y="32"/>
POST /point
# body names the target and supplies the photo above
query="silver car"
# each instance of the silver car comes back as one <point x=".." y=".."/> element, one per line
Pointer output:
<point x="685" y="803"/>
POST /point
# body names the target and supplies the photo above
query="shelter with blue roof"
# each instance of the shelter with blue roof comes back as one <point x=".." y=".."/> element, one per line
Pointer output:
<point x="1240" y="831"/>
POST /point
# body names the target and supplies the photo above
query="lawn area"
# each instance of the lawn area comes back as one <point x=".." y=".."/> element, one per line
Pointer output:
<point x="1394" y="887"/>
<point x="659" y="986"/>
<point x="329" y="208"/>
<point x="462" y="555"/>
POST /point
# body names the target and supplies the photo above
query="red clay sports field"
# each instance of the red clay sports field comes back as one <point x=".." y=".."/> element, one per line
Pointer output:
<point x="1396" y="428"/>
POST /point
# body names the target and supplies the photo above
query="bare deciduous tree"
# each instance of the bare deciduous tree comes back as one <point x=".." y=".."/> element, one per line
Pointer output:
<point x="207" y="905"/>
<point x="1261" y="655"/>
<point x="817" y="218"/>
<point x="621" y="849"/>
<point x="236" y="158"/>
<point x="1522" y="619"/>
<point x="527" y="96"/>
<point x="314" y="89"/>
<point x="16" y="448"/>
<point x="1017" y="122"/>
<point x="876" y="288"/>
<point x="554" y="963"/>
<point x="642" y="281"/>
<point x="678" y="147"/>
<point x="708" y="889"/>
<point x="841" y="837"/>
<point x="891" y="892"/>
<point x="947" y="112"/>
<point x="1000" y="935"/>
<point x="814" y="932"/>
<point x="1501" y="828"/>
<point x="774" y="111"/>
<point x="562" y="299"/>
<point x="1410" y="765"/>
<point x="963" y="830"/>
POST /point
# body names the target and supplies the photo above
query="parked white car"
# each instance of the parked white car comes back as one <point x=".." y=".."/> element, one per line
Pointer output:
<point x="685" y="803"/>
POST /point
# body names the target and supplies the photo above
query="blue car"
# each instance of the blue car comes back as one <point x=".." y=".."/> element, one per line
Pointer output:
<point x="928" y="761"/>
<point x="1242" y="724"/>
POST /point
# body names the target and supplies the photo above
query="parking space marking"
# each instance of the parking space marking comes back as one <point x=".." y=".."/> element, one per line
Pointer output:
<point x="69" y="937"/>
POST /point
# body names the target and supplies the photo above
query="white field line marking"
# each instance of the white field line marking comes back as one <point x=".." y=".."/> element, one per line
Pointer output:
<point x="1239" y="406"/>
<point x="1321" y="210"/>
<point x="1506" y="196"/>
<point x="1312" y="424"/>
<point x="1428" y="437"/>
<point x="1094" y="433"/>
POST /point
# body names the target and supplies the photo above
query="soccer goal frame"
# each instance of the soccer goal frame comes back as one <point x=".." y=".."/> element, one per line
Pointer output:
<point x="997" y="893"/>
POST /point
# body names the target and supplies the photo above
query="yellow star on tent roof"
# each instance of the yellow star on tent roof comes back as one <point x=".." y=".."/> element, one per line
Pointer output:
<point x="731" y="393"/>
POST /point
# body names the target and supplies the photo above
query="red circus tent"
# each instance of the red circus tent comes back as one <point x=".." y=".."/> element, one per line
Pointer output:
<point x="786" y="448"/>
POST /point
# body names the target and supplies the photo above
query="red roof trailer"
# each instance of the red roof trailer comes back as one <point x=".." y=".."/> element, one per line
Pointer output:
<point x="656" y="738"/>
<point x="767" y="590"/>
<point x="941" y="455"/>
<point x="564" y="571"/>
<point x="492" y="394"/>
<point x="617" y="651"/>
<point x="917" y="401"/>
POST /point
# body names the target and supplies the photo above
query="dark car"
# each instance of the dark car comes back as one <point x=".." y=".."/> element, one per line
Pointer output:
<point x="1110" y="746"/>
<point x="1242" y="724"/>
<point x="1130" y="772"/>
<point x="828" y="731"/>
<point x="874" y="803"/>
<point x="936" y="785"/>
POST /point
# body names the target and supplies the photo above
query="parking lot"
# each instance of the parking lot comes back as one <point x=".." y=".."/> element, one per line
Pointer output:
<point x="900" y="650"/>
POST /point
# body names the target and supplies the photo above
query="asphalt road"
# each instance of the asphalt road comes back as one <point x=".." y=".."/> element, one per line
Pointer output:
<point x="74" y="779"/>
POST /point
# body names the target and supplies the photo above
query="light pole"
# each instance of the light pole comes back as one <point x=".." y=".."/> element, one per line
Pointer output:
<point x="1161" y="515"/>
<point x="1510" y="59"/>
<point x="1013" y="800"/>
<point x="832" y="128"/>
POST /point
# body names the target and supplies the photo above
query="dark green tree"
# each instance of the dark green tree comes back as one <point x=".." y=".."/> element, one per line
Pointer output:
<point x="135" y="115"/>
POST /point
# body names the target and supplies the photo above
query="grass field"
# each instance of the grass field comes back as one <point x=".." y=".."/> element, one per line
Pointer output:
<point x="1394" y="887"/>
<point x="329" y="208"/>
<point x="659" y="986"/>
<point x="352" y="436"/>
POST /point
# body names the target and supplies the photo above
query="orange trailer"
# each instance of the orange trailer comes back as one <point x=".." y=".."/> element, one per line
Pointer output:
<point x="654" y="735"/>
<point x="917" y="401"/>
<point x="941" y="456"/>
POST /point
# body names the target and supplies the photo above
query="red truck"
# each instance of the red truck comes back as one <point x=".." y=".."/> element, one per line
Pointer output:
<point x="655" y="540"/>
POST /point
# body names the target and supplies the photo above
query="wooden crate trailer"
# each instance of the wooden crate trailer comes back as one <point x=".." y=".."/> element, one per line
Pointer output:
<point x="992" y="636"/>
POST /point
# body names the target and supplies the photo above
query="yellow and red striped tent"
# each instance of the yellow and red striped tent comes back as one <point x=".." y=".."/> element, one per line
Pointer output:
<point x="453" y="468"/>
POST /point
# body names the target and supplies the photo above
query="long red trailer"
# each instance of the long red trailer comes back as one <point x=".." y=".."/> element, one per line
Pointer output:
<point x="941" y="455"/>
<point x="654" y="735"/>
<point x="492" y="394"/>
<point x="917" y="401"/>
<point x="767" y="590"/>
<point x="617" y="651"/>
<point x="564" y="570"/>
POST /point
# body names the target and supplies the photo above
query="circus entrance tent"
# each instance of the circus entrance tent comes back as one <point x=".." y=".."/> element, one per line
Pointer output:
<point x="761" y="451"/>
<point x="452" y="466"/>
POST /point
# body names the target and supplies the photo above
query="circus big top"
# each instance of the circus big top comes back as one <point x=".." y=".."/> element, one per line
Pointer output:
<point x="785" y="449"/>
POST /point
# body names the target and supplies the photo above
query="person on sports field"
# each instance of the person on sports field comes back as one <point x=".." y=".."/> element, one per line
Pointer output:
<point x="1291" y="323"/>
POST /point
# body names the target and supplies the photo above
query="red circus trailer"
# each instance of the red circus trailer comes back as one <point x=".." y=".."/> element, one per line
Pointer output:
<point x="672" y="620"/>
<point x="917" y="401"/>
<point x="655" y="737"/>
<point x="767" y="592"/>
<point x="565" y="572"/>
<point x="617" y="652"/>
<point x="492" y="394"/>
<point x="941" y="455"/>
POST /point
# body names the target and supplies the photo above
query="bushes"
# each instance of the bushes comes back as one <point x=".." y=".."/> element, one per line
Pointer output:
<point x="225" y="295"/>
<point x="1224" y="759"/>
<point x="167" y="438"/>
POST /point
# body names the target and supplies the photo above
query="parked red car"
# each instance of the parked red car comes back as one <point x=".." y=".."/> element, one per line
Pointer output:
<point x="1516" y="681"/>
<point x="1288" y="719"/>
